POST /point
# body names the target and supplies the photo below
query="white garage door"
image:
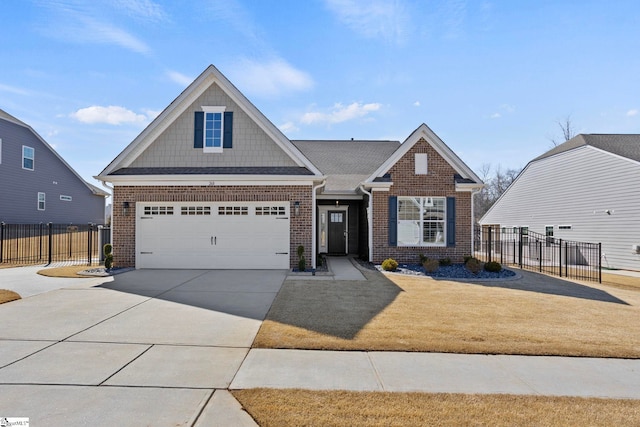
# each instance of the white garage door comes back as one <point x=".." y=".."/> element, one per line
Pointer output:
<point x="212" y="235"/>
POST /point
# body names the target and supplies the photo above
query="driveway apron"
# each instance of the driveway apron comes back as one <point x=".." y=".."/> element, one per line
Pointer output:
<point x="147" y="347"/>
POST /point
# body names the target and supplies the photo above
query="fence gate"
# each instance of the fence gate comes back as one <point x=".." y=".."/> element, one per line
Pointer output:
<point x="534" y="251"/>
<point x="24" y="244"/>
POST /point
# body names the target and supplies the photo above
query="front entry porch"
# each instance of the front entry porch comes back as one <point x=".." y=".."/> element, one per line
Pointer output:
<point x="342" y="227"/>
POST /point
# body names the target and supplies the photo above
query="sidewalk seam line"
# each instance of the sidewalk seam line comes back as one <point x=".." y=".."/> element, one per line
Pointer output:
<point x="375" y="371"/>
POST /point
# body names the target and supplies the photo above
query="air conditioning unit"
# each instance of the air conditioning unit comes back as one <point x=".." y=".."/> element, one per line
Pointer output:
<point x="635" y="249"/>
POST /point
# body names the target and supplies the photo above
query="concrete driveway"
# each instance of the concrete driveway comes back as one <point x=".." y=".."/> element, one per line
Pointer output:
<point x="147" y="347"/>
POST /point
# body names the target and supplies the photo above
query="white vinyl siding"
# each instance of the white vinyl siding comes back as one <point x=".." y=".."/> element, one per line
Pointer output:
<point x="576" y="188"/>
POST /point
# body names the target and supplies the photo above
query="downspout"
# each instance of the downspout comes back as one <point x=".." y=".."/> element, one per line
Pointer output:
<point x="369" y="222"/>
<point x="314" y="231"/>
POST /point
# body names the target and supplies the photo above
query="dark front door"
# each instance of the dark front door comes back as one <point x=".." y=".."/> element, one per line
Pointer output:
<point x="337" y="232"/>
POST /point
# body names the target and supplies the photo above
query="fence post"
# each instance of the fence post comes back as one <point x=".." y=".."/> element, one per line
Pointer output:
<point x="600" y="262"/>
<point x="520" y="247"/>
<point x="1" y="239"/>
<point x="489" y="248"/>
<point x="89" y="235"/>
<point x="560" y="257"/>
<point x="540" y="255"/>
<point x="50" y="225"/>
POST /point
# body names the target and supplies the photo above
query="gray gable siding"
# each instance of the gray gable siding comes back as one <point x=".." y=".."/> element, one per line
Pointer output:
<point x="576" y="188"/>
<point x="19" y="187"/>
<point x="251" y="145"/>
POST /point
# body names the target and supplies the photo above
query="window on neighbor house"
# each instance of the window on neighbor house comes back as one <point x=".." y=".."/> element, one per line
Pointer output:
<point x="422" y="221"/>
<point x="41" y="201"/>
<point x="28" y="156"/>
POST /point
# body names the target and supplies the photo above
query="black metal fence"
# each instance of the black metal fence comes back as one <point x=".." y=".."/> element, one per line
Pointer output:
<point x="24" y="244"/>
<point x="534" y="251"/>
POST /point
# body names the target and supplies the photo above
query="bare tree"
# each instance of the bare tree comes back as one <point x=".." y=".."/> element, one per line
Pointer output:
<point x="496" y="182"/>
<point x="568" y="131"/>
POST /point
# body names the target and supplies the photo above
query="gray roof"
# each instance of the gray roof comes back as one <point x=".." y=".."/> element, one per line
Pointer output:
<point x="9" y="117"/>
<point x="243" y="170"/>
<point x="346" y="163"/>
<point x="625" y="145"/>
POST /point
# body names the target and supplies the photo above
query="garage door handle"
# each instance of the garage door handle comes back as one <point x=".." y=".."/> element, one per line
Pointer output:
<point x="282" y="253"/>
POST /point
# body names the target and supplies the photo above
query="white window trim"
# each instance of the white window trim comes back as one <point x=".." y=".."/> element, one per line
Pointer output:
<point x="44" y="201"/>
<point x="209" y="109"/>
<point x="421" y="242"/>
<point x="33" y="159"/>
<point x="0" y="151"/>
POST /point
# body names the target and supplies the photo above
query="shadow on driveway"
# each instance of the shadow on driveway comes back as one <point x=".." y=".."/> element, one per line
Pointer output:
<point x="337" y="308"/>
<point x="541" y="283"/>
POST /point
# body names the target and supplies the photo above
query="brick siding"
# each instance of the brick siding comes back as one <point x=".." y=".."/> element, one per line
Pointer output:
<point x="124" y="231"/>
<point x="439" y="182"/>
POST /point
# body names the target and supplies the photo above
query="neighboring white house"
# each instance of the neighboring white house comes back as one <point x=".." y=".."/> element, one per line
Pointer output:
<point x="587" y="189"/>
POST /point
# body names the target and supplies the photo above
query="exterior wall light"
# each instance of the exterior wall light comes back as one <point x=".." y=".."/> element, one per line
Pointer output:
<point x="125" y="208"/>
<point x="296" y="208"/>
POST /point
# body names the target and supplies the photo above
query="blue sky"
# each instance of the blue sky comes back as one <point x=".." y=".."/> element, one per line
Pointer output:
<point x="491" y="78"/>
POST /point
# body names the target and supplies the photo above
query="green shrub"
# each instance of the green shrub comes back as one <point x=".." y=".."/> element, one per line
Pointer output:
<point x="493" y="267"/>
<point x="466" y="258"/>
<point x="300" y="251"/>
<point x="430" y="265"/>
<point x="302" y="264"/>
<point x="473" y="265"/>
<point x="445" y="262"/>
<point x="389" y="264"/>
<point x="423" y="258"/>
<point x="108" y="255"/>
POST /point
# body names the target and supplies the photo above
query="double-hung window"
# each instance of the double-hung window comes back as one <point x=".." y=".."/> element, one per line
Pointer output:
<point x="422" y="221"/>
<point x="28" y="157"/>
<point x="41" y="201"/>
<point x="213" y="129"/>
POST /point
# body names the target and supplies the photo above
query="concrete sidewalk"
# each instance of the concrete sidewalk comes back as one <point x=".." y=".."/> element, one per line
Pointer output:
<point x="163" y="347"/>
<point x="439" y="373"/>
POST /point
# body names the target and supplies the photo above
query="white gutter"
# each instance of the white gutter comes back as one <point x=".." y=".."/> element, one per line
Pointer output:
<point x="314" y="232"/>
<point x="369" y="222"/>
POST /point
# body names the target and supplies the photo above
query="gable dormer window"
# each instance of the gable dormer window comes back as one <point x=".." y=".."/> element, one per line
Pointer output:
<point x="213" y="129"/>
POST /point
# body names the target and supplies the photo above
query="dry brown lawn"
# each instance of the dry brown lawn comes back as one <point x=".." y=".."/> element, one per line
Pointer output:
<point x="280" y="408"/>
<point x="70" y="271"/>
<point x="536" y="315"/>
<point x="8" y="296"/>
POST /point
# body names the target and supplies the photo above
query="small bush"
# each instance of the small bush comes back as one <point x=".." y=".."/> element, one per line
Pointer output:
<point x="473" y="265"/>
<point x="302" y="263"/>
<point x="466" y="258"/>
<point x="300" y="251"/>
<point x="389" y="264"/>
<point x="423" y="258"/>
<point x="430" y="265"/>
<point x="445" y="262"/>
<point x="493" y="267"/>
<point x="108" y="255"/>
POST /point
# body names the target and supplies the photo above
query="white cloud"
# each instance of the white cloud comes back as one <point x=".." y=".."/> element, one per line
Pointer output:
<point x="144" y="9"/>
<point x="288" y="127"/>
<point x="82" y="22"/>
<point x="179" y="78"/>
<point x="387" y="20"/>
<point x="416" y="104"/>
<point x="112" y="115"/>
<point x="632" y="113"/>
<point x="13" y="89"/>
<point x="495" y="116"/>
<point x="272" y="78"/>
<point x="340" y="113"/>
